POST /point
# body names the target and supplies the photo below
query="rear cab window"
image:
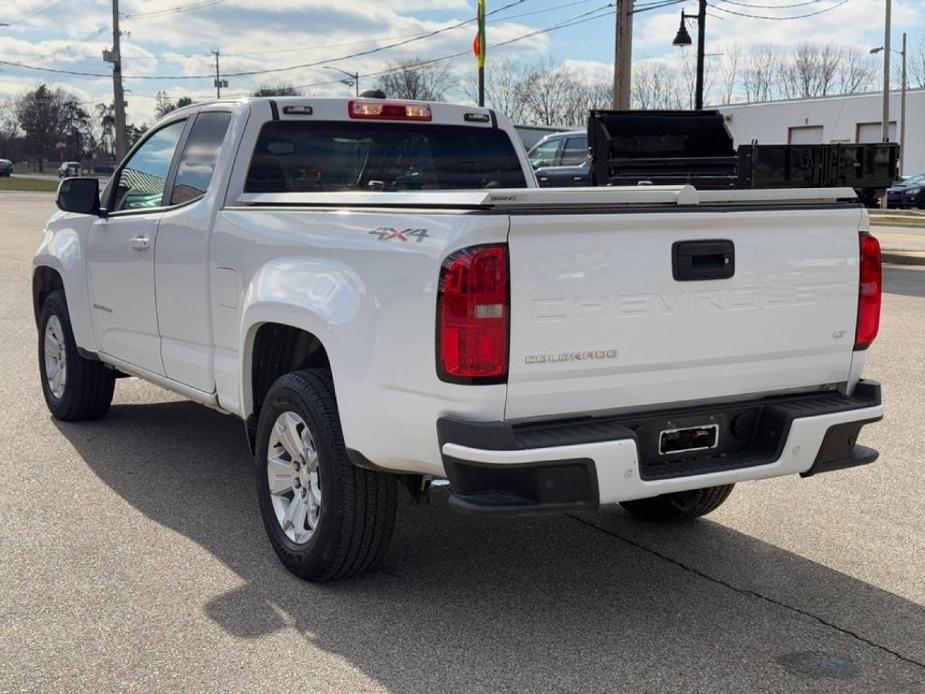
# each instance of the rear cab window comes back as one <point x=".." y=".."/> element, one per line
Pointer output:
<point x="333" y="156"/>
<point x="197" y="163"/>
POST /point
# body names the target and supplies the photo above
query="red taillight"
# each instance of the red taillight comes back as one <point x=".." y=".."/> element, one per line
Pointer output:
<point x="869" y="293"/>
<point x="473" y="310"/>
<point x="388" y="110"/>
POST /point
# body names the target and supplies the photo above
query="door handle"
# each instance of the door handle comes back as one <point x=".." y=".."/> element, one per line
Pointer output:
<point x="703" y="260"/>
<point x="140" y="243"/>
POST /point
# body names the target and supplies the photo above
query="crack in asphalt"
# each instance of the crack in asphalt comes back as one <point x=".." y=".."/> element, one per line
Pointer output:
<point x="746" y="592"/>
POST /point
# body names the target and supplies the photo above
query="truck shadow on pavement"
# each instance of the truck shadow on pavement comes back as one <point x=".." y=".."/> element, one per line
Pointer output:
<point x="909" y="281"/>
<point x="590" y="603"/>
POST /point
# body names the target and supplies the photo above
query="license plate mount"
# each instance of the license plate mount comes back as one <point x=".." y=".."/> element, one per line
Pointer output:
<point x="687" y="439"/>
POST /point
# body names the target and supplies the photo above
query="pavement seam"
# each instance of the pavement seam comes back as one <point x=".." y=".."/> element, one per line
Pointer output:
<point x="746" y="592"/>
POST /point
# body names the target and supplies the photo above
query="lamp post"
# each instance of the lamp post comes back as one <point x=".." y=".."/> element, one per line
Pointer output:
<point x="902" y="103"/>
<point x="683" y="38"/>
<point x="354" y="77"/>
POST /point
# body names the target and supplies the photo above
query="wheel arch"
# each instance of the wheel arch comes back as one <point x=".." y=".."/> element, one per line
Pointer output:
<point x="274" y="346"/>
<point x="45" y="280"/>
<point x="61" y="263"/>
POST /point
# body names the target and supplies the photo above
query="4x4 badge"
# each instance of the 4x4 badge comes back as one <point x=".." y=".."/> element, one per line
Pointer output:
<point x="390" y="234"/>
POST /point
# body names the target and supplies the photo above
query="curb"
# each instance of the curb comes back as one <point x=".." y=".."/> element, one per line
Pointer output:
<point x="901" y="258"/>
<point x="908" y="224"/>
<point x="897" y="218"/>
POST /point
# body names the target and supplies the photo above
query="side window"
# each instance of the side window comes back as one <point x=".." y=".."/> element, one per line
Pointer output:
<point x="576" y="151"/>
<point x="142" y="180"/>
<point x="544" y="154"/>
<point x="197" y="163"/>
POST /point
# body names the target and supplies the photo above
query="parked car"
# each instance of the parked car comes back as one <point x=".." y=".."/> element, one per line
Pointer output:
<point x="69" y="169"/>
<point x="910" y="192"/>
<point x="562" y="160"/>
<point x="6" y="167"/>
<point x="380" y="293"/>
<point x="560" y="149"/>
<point x="564" y="176"/>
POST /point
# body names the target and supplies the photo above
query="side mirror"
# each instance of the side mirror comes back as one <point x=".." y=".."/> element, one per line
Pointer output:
<point x="79" y="195"/>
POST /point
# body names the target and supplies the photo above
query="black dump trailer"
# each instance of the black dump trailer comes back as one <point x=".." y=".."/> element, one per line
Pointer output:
<point x="695" y="147"/>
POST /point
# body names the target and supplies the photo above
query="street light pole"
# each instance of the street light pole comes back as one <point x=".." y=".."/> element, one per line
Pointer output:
<point x="684" y="39"/>
<point x="701" y="50"/>
<point x="354" y="77"/>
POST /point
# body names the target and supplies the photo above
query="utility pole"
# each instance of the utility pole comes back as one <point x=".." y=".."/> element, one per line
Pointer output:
<point x="902" y="110"/>
<point x="623" y="56"/>
<point x="886" y="82"/>
<point x="886" y="72"/>
<point x="114" y="56"/>
<point x="219" y="82"/>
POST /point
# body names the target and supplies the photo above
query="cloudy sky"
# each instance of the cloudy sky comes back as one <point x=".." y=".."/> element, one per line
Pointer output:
<point x="167" y="43"/>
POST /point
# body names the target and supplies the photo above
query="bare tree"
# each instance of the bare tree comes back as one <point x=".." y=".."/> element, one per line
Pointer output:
<point x="758" y="77"/>
<point x="164" y="104"/>
<point x="811" y="72"/>
<point x="655" y="86"/>
<point x="278" y="90"/>
<point x="917" y="66"/>
<point x="52" y="120"/>
<point x="548" y="93"/>
<point x="417" y="81"/>
<point x="105" y="129"/>
<point x="855" y="71"/>
<point x="729" y="72"/>
<point x="504" y="89"/>
<point x="9" y="125"/>
<point x="543" y="94"/>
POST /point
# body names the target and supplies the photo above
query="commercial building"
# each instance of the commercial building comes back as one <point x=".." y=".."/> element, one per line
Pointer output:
<point x="831" y="119"/>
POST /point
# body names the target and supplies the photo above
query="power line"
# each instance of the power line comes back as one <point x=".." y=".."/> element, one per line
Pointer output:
<point x="39" y="11"/>
<point x="174" y="10"/>
<point x="572" y="21"/>
<point x="56" y="71"/>
<point x="780" y="19"/>
<point x="598" y="13"/>
<point x="655" y="5"/>
<point x="772" y="7"/>
<point x="251" y="73"/>
<point x="402" y="40"/>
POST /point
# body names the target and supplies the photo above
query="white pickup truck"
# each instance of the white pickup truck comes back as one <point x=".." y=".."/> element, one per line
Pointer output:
<point x="381" y="293"/>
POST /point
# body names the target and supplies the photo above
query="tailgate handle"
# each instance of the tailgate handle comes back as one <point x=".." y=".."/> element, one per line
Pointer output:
<point x="703" y="260"/>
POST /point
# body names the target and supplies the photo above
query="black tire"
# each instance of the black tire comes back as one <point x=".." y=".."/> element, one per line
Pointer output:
<point x="88" y="385"/>
<point x="357" y="512"/>
<point x="679" y="506"/>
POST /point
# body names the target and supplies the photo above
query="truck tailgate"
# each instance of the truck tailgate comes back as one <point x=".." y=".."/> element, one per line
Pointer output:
<point x="599" y="321"/>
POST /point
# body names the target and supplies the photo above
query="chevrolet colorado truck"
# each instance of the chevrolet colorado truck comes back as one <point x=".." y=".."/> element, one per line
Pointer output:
<point x="381" y="293"/>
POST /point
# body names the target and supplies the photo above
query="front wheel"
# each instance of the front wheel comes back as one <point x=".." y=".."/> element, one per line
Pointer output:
<point x="325" y="518"/>
<point x="75" y="388"/>
<point x="679" y="506"/>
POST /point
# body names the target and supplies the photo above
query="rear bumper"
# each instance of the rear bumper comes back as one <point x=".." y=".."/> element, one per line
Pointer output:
<point x="497" y="467"/>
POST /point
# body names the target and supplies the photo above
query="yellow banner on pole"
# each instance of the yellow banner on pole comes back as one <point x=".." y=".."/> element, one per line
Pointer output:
<point x="480" y="43"/>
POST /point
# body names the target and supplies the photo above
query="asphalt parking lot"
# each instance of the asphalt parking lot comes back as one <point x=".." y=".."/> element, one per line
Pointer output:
<point x="132" y="558"/>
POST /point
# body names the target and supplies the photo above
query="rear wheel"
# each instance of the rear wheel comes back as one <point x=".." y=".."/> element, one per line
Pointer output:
<point x="679" y="506"/>
<point x="326" y="518"/>
<point x="75" y="388"/>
